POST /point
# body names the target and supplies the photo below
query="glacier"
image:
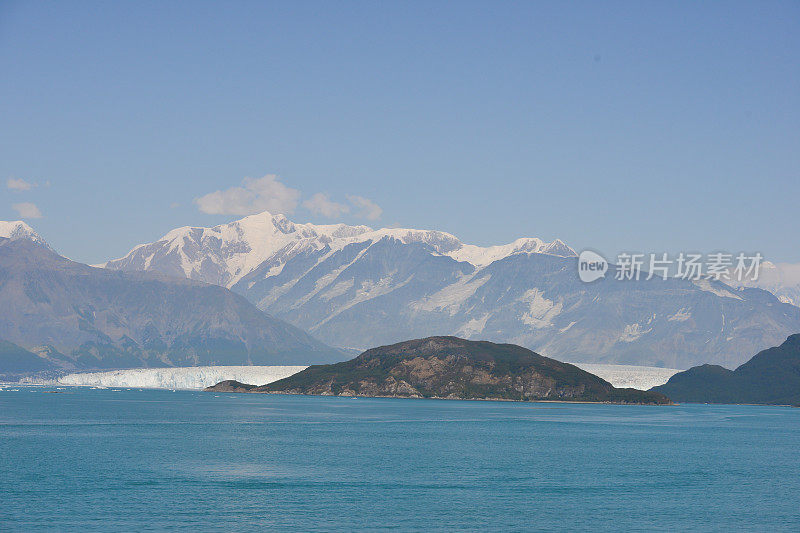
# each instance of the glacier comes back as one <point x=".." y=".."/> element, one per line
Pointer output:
<point x="200" y="377"/>
<point x="178" y="378"/>
<point x="630" y="376"/>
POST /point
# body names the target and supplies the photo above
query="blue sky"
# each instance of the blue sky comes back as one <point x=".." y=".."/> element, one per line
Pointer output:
<point x="616" y="126"/>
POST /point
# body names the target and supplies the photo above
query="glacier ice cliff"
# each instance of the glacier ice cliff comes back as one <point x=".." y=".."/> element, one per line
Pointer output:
<point x="200" y="377"/>
<point x="630" y="376"/>
<point x="187" y="378"/>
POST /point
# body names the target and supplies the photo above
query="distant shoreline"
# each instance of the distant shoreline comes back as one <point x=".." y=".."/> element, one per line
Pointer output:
<point x="211" y="389"/>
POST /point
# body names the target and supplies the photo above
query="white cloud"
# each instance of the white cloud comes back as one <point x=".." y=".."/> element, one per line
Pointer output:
<point x="320" y="204"/>
<point x="269" y="194"/>
<point x="27" y="210"/>
<point x="367" y="208"/>
<point x="254" y="196"/>
<point x="17" y="184"/>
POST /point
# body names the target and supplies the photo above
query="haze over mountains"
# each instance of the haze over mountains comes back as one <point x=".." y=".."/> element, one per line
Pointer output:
<point x="355" y="287"/>
<point x="74" y="316"/>
<point x="781" y="279"/>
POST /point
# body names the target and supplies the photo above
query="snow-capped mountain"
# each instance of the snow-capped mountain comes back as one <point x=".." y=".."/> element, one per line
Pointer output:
<point x="225" y="254"/>
<point x="18" y="229"/>
<point x="355" y="287"/>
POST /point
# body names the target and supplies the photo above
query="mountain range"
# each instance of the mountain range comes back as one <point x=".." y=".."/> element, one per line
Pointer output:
<point x="74" y="316"/>
<point x="355" y="287"/>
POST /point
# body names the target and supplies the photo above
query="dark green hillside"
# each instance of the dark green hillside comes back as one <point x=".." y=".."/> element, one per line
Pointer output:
<point x="453" y="368"/>
<point x="770" y="377"/>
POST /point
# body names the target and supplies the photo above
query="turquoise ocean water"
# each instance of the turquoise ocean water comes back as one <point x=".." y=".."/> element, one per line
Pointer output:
<point x="153" y="460"/>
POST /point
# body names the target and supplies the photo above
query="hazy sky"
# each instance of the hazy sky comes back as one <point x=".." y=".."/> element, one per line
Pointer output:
<point x="617" y="126"/>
